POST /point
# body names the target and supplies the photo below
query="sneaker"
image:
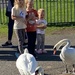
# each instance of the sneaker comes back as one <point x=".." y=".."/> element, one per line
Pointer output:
<point x="17" y="54"/>
<point x="44" y="51"/>
<point x="39" y="51"/>
<point x="7" y="44"/>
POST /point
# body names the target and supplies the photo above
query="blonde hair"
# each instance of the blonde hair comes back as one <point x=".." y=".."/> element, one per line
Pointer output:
<point x="41" y="10"/>
<point x="26" y="1"/>
<point x="17" y="6"/>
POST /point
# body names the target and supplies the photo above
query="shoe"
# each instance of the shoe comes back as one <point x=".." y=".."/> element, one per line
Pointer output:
<point x="44" y="51"/>
<point x="17" y="54"/>
<point x="7" y="44"/>
<point x="39" y="51"/>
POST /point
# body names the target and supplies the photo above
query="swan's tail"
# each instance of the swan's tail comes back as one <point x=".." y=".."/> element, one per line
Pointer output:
<point x="26" y="50"/>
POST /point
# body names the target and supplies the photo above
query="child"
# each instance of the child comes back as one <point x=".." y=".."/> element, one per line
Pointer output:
<point x="18" y="15"/>
<point x="31" y="26"/>
<point x="41" y="26"/>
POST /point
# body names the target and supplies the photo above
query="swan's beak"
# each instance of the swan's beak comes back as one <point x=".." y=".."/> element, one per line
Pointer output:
<point x="54" y="51"/>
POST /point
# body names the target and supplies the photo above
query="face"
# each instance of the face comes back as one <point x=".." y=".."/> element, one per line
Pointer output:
<point x="30" y="4"/>
<point x="41" y="14"/>
<point x="20" y="2"/>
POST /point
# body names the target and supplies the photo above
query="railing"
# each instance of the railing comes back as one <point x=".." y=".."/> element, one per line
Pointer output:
<point x="57" y="11"/>
<point x="3" y="18"/>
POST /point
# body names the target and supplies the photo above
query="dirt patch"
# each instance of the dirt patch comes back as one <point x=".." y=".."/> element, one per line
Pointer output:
<point x="64" y="31"/>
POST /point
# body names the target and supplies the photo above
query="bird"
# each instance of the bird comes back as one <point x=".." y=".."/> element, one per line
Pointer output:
<point x="27" y="64"/>
<point x="67" y="54"/>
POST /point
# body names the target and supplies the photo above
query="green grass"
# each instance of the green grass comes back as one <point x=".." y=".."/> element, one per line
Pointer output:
<point x="49" y="30"/>
<point x="3" y="31"/>
<point x="52" y="29"/>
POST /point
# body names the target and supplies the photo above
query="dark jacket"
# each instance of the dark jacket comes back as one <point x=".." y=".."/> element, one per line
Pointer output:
<point x="8" y="13"/>
<point x="12" y="2"/>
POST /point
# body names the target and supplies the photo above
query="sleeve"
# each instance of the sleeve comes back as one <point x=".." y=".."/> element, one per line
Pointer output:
<point x="45" y="22"/>
<point x="13" y="11"/>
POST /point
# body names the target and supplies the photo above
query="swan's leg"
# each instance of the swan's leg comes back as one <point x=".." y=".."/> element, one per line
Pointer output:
<point x="73" y="68"/>
<point x="66" y="69"/>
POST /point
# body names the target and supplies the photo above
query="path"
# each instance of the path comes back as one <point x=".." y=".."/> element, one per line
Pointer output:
<point x="51" y="64"/>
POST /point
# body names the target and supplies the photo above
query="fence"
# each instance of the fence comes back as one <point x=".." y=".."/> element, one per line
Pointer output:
<point x="57" y="11"/>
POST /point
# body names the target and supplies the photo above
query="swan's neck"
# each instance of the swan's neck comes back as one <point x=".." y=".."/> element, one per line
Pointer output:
<point x="62" y="42"/>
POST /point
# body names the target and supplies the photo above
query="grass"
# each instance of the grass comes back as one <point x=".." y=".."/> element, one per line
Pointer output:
<point x="52" y="29"/>
<point x="3" y="31"/>
<point x="49" y="30"/>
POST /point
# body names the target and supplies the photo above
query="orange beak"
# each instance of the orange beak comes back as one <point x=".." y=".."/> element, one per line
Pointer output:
<point x="54" y="51"/>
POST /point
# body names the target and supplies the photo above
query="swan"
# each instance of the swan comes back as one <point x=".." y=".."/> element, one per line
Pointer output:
<point x="67" y="54"/>
<point x="27" y="64"/>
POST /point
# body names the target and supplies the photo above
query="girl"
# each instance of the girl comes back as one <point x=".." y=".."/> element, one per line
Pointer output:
<point x="31" y="26"/>
<point x="41" y="26"/>
<point x="18" y="15"/>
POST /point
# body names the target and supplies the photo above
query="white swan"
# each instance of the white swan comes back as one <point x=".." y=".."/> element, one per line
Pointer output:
<point x="27" y="64"/>
<point x="67" y="54"/>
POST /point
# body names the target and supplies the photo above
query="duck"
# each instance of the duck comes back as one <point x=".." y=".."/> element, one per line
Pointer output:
<point x="27" y="64"/>
<point x="67" y="54"/>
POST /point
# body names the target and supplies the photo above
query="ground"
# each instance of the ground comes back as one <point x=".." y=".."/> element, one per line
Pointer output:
<point x="64" y="31"/>
<point x="50" y="63"/>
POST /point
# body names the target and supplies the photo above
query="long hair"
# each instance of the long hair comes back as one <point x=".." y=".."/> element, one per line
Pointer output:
<point x="26" y="1"/>
<point x="17" y="5"/>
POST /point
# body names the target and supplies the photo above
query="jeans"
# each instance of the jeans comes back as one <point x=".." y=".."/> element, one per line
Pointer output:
<point x="40" y="41"/>
<point x="31" y="42"/>
<point x="10" y="28"/>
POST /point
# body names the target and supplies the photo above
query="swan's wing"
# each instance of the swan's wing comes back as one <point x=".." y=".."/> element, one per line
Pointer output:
<point x="21" y="64"/>
<point x="68" y="55"/>
<point x="32" y="63"/>
<point x="61" y="57"/>
<point x="27" y="63"/>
